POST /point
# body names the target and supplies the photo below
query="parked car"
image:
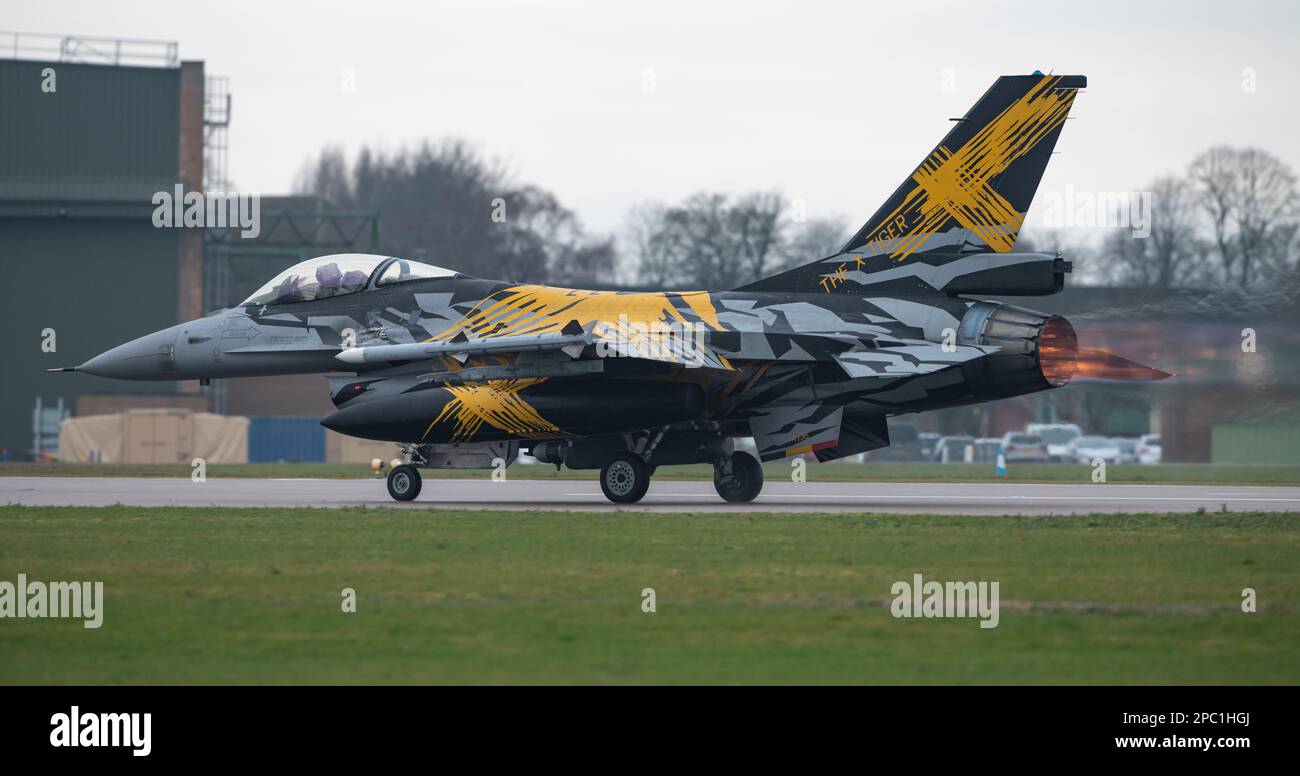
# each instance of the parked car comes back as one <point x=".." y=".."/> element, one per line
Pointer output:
<point x="927" y="441"/>
<point x="1058" y="437"/>
<point x="953" y="447"/>
<point x="1149" y="448"/>
<point x="904" y="445"/>
<point x="1086" y="449"/>
<point x="1029" y="448"/>
<point x="1128" y="449"/>
<point x="986" y="449"/>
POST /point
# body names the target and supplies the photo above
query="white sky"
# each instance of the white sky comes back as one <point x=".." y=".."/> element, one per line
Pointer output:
<point x="831" y="102"/>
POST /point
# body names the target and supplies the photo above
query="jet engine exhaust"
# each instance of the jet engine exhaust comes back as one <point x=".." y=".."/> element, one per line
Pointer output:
<point x="1058" y="351"/>
<point x="1036" y="351"/>
<point x="1061" y="359"/>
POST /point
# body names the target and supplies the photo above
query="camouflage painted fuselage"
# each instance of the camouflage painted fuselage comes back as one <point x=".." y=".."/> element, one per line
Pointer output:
<point x="790" y="369"/>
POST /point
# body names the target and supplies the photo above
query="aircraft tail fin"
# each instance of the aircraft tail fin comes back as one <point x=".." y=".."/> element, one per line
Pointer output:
<point x="968" y="196"/>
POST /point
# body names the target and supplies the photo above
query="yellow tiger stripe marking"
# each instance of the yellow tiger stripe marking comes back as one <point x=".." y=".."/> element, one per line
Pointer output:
<point x="496" y="403"/>
<point x="529" y="309"/>
<point x="957" y="184"/>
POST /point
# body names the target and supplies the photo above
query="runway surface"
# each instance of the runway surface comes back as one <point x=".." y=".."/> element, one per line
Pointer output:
<point x="664" y="496"/>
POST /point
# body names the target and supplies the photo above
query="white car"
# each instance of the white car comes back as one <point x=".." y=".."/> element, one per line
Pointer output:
<point x="1086" y="449"/>
<point x="1057" y="436"/>
<point x="952" y="449"/>
<point x="986" y="449"/>
<point x="1128" y="449"/>
<point x="1024" y="447"/>
<point x="1149" y="449"/>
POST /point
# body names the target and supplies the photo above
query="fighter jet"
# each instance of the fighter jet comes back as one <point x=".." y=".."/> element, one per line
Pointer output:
<point x="463" y="372"/>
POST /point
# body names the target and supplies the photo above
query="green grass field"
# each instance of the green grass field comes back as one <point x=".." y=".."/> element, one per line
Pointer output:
<point x="253" y="596"/>
<point x="1188" y="474"/>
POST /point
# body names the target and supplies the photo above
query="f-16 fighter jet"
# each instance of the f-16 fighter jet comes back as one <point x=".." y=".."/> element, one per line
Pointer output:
<point x="461" y="371"/>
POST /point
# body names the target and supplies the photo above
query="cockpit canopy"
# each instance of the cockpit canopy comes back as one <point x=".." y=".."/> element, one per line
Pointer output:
<point x="338" y="275"/>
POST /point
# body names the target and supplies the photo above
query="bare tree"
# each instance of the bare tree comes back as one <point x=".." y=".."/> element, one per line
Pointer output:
<point x="1249" y="197"/>
<point x="543" y="234"/>
<point x="326" y="176"/>
<point x="814" y="239"/>
<point x="1171" y="255"/>
<point x="714" y="241"/>
<point x="757" y="227"/>
<point x="1173" y="240"/>
<point x="1266" y="218"/>
<point x="445" y="203"/>
<point x="646" y="243"/>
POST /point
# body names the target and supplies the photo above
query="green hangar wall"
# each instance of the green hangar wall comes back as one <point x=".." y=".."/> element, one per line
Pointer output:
<point x="78" y="250"/>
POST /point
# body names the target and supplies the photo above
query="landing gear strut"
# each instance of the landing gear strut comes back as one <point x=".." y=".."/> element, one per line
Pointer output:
<point x="404" y="482"/>
<point x="744" y="480"/>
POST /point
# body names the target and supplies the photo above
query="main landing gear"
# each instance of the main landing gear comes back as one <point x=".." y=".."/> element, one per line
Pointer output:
<point x="625" y="478"/>
<point x="740" y="479"/>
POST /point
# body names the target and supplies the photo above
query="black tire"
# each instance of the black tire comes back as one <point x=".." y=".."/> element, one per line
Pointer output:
<point x="624" y="478"/>
<point x="745" y="482"/>
<point x="404" y="482"/>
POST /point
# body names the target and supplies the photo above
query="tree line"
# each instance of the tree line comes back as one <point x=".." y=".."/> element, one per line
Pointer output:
<point x="446" y="204"/>
<point x="1231" y="219"/>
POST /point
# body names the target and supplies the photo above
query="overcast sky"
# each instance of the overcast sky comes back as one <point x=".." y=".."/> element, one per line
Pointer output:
<point x="831" y="102"/>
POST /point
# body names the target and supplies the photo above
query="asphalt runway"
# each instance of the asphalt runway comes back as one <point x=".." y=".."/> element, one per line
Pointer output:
<point x="664" y="496"/>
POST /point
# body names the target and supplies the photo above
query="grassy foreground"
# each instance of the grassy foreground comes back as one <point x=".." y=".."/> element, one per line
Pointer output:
<point x="253" y="596"/>
<point x="1186" y="474"/>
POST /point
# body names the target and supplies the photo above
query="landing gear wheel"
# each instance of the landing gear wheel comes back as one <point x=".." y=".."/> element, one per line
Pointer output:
<point x="404" y="482"/>
<point x="746" y="478"/>
<point x="625" y="478"/>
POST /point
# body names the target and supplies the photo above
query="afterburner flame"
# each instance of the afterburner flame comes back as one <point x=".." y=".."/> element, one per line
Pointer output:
<point x="1061" y="359"/>
<point x="1058" y="350"/>
<point x="1100" y="365"/>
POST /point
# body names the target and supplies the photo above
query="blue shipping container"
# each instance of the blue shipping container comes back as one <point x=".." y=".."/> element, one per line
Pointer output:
<point x="272" y="439"/>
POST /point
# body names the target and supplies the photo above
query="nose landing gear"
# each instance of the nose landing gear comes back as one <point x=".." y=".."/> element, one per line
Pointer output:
<point x="404" y="482"/>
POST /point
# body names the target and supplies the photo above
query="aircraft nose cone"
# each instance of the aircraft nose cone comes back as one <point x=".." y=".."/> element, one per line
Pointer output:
<point x="151" y="357"/>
